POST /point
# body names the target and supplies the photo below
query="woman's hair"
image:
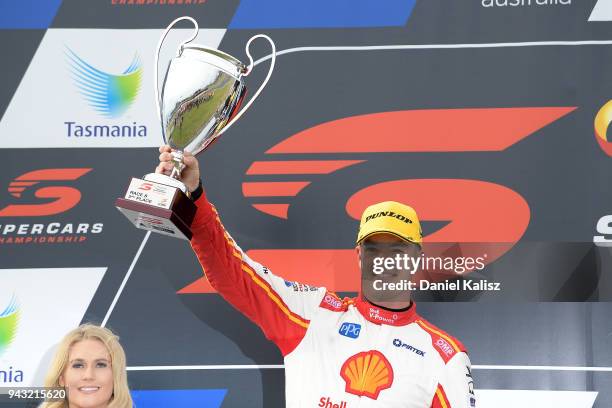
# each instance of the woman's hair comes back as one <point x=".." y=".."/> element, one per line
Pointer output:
<point x="121" y="393"/>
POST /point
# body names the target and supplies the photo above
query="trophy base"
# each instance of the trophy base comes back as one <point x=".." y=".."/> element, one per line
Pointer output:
<point x="158" y="207"/>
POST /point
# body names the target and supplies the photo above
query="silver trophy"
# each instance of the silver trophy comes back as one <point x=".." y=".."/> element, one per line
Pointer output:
<point x="200" y="99"/>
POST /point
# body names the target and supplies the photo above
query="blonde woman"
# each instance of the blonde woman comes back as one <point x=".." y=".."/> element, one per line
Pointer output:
<point x="90" y="364"/>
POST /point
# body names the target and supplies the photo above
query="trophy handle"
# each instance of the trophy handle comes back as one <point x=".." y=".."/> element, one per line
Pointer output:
<point x="249" y="70"/>
<point x="159" y="45"/>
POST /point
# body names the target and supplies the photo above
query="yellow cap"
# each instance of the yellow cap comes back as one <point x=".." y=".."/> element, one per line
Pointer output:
<point x="393" y="218"/>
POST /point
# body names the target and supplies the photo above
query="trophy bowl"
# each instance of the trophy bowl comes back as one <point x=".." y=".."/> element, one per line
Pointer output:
<point x="202" y="91"/>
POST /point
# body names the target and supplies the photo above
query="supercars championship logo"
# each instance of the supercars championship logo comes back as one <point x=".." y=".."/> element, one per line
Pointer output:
<point x="43" y="193"/>
<point x="471" y="219"/>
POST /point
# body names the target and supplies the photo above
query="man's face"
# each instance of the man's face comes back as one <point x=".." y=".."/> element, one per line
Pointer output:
<point x="385" y="258"/>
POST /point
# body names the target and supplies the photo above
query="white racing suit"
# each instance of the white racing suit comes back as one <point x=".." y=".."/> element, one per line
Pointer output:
<point x="338" y="353"/>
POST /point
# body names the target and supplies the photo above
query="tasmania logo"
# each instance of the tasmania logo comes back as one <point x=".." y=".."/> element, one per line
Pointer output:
<point x="64" y="198"/>
<point x="367" y="374"/>
<point x="9" y="321"/>
<point x="108" y="94"/>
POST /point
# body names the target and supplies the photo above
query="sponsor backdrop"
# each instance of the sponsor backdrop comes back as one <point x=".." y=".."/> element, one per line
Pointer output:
<point x="490" y="117"/>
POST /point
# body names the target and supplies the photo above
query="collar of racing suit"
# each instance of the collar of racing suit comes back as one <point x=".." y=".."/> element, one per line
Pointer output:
<point x="379" y="315"/>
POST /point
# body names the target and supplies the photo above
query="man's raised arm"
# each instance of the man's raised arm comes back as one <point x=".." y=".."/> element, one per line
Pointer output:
<point x="281" y="309"/>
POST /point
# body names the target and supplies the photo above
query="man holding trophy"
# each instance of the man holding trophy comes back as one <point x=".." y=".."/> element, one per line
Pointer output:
<point x="370" y="351"/>
<point x="373" y="350"/>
